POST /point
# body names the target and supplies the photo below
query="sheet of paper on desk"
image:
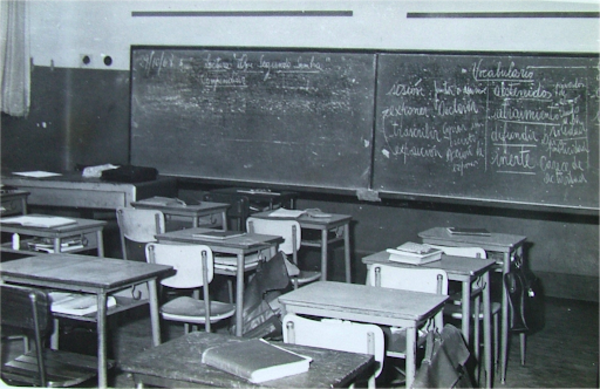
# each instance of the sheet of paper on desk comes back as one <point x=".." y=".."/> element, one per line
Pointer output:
<point x="37" y="174"/>
<point x="39" y="221"/>
<point x="290" y="213"/>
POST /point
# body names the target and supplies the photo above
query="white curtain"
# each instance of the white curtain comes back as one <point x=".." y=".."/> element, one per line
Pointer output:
<point x="14" y="61"/>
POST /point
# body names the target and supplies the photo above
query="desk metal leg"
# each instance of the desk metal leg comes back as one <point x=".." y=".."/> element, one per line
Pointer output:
<point x="100" y="239"/>
<point x="154" y="314"/>
<point x="324" y="243"/>
<point x="239" y="295"/>
<point x="347" y="252"/>
<point x="505" y="313"/>
<point x="466" y="311"/>
<point x="101" y="330"/>
<point x="224" y="224"/>
<point x="411" y="352"/>
<point x="487" y="336"/>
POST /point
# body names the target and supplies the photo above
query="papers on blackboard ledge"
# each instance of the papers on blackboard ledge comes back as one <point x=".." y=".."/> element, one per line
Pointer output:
<point x="37" y="174"/>
<point x="414" y="253"/>
<point x="256" y="360"/>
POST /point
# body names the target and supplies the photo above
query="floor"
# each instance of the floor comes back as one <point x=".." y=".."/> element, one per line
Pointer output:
<point x="564" y="354"/>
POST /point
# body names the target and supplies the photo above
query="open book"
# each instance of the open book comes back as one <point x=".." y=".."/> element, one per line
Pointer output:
<point x="162" y="201"/>
<point x="256" y="360"/>
<point x="39" y="221"/>
<point x="287" y="213"/>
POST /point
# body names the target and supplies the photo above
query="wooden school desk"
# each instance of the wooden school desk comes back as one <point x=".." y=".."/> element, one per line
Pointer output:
<point x="74" y="191"/>
<point x="86" y="274"/>
<point x="178" y="364"/>
<point x="466" y="271"/>
<point x="239" y="246"/>
<point x="86" y="231"/>
<point x="192" y="212"/>
<point x="368" y="304"/>
<point x="325" y="225"/>
<point x="508" y="245"/>
<point x="14" y="202"/>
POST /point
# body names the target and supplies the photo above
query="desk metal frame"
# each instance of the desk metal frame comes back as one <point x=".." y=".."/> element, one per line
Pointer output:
<point x="239" y="246"/>
<point x="193" y="212"/>
<point x="99" y="276"/>
<point x="509" y="245"/>
<point x="86" y="228"/>
<point x="324" y="225"/>
<point x="466" y="271"/>
<point x="368" y="304"/>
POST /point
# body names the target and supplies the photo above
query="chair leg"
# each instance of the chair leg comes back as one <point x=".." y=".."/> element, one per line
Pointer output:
<point x="496" y="344"/>
<point x="522" y="341"/>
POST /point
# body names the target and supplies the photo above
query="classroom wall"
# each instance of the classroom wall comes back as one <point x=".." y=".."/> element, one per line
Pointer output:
<point x="80" y="113"/>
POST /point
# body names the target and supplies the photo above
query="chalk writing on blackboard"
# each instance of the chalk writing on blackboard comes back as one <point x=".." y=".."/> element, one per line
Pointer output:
<point x="453" y="125"/>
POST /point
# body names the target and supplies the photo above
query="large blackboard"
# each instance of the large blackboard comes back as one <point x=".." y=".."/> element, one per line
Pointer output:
<point x="488" y="128"/>
<point x="481" y="128"/>
<point x="299" y="119"/>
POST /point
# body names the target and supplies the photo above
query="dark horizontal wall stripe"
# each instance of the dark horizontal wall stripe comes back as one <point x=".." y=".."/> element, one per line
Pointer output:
<point x="241" y="13"/>
<point x="475" y="15"/>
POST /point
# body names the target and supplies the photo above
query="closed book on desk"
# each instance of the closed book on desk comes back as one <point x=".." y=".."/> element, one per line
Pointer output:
<point x="255" y="360"/>
<point x="217" y="234"/>
<point x="415" y="253"/>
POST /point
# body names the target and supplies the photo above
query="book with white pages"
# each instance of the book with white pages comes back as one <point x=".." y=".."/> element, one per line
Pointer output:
<point x="76" y="303"/>
<point x="414" y="253"/>
<point x="287" y="213"/>
<point x="39" y="221"/>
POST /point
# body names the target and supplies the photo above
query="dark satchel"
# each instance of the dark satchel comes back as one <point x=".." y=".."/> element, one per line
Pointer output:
<point x="268" y="282"/>
<point x="525" y="298"/>
<point x="130" y="174"/>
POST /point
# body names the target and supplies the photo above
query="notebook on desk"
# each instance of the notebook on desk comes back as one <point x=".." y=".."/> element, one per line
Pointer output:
<point x="219" y="235"/>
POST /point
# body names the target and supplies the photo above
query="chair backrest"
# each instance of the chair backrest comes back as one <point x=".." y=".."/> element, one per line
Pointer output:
<point x="193" y="263"/>
<point x="289" y="230"/>
<point x="471" y="252"/>
<point x="417" y="279"/>
<point x="336" y="335"/>
<point x="140" y="225"/>
<point x="28" y="309"/>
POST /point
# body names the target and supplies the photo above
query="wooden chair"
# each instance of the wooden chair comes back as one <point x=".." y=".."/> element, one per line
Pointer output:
<point x="453" y="309"/>
<point x="290" y="231"/>
<point x="194" y="270"/>
<point x="337" y="334"/>
<point x="416" y="279"/>
<point x="28" y="309"/>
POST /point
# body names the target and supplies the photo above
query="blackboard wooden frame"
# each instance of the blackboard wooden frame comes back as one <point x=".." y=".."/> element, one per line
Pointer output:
<point x="365" y="173"/>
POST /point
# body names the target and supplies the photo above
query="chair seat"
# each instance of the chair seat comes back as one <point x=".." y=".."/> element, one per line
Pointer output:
<point x="307" y="276"/>
<point x="190" y="310"/>
<point x="63" y="368"/>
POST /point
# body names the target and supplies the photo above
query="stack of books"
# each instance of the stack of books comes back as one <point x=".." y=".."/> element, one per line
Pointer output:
<point x="414" y="253"/>
<point x="47" y="245"/>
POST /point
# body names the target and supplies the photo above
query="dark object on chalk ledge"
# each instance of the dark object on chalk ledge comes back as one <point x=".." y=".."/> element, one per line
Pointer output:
<point x="130" y="174"/>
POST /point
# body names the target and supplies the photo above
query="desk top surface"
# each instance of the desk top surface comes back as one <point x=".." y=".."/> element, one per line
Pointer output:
<point x="180" y="360"/>
<point x="376" y="305"/>
<point x="494" y="240"/>
<point x="456" y="267"/>
<point x="181" y="208"/>
<point x="307" y="220"/>
<point x="245" y="241"/>
<point x="80" y="225"/>
<point x="74" y="270"/>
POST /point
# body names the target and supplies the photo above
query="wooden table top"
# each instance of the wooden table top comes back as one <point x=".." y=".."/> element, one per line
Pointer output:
<point x="178" y="363"/>
<point x="376" y="305"/>
<point x="456" y="267"/>
<point x="247" y="241"/>
<point x="499" y="241"/>
<point x="79" y="272"/>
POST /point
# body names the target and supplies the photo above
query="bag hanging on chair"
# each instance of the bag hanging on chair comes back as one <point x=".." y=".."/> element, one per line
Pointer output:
<point x="525" y="298"/>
